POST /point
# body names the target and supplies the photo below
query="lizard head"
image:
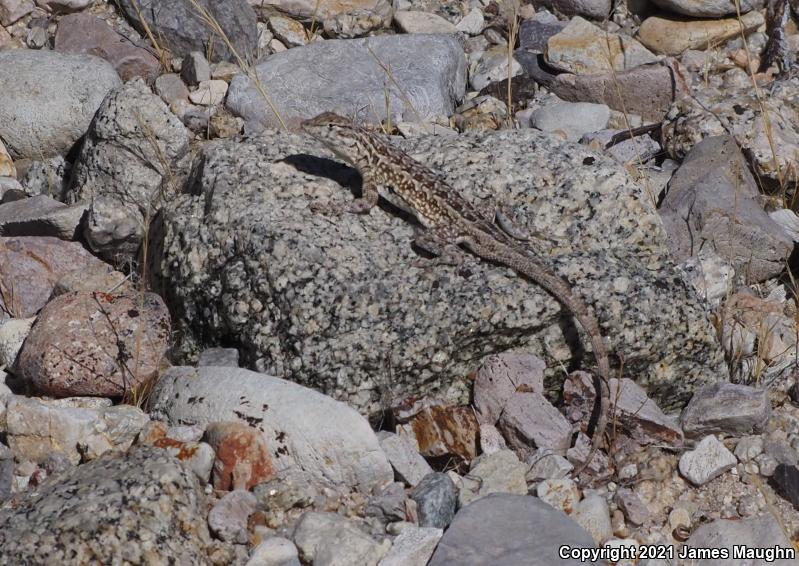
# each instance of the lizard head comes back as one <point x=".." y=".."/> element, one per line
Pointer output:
<point x="339" y="134"/>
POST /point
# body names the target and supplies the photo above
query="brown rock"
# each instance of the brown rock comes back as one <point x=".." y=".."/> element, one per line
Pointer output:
<point x="87" y="34"/>
<point x="646" y="90"/>
<point x="95" y="344"/>
<point x="99" y="277"/>
<point x="242" y="457"/>
<point x="443" y="431"/>
<point x="29" y="268"/>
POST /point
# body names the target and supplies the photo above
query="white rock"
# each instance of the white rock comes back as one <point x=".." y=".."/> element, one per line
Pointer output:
<point x="493" y="67"/>
<point x="559" y="493"/>
<point x="748" y="448"/>
<point x="789" y="221"/>
<point x="327" y="538"/>
<point x="412" y="21"/>
<point x="572" y="118"/>
<point x="274" y="551"/>
<point x="501" y="472"/>
<point x="593" y="514"/>
<point x="472" y="23"/>
<point x="708" y="460"/>
<point x="413" y="547"/>
<point x="546" y="465"/>
<point x="209" y="93"/>
<point x="307" y="429"/>
<point x="228" y="517"/>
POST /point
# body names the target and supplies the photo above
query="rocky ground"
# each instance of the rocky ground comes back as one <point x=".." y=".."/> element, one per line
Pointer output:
<point x="199" y="366"/>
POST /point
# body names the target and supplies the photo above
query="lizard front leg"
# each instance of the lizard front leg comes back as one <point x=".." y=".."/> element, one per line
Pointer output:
<point x="360" y="205"/>
<point x="440" y="243"/>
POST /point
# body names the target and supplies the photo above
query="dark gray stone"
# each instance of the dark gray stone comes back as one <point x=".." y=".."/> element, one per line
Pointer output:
<point x="180" y="27"/>
<point x="6" y="472"/>
<point x="436" y="497"/>
<point x="727" y="408"/>
<point x="94" y="511"/>
<point x="533" y="34"/>
<point x="219" y="357"/>
<point x="41" y="216"/>
<point x="510" y="530"/>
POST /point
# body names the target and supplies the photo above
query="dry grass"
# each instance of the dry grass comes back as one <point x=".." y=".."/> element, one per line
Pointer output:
<point x="509" y="11"/>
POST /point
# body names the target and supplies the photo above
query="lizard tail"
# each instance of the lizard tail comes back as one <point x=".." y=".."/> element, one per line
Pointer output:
<point x="540" y="273"/>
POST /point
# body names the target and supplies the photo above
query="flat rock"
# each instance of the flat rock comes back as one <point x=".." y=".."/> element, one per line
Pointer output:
<point x="673" y="36"/>
<point x="763" y="532"/>
<point x="572" y="119"/>
<point x="704" y="8"/>
<point x="413" y="21"/>
<point x="94" y="511"/>
<point x="530" y="421"/>
<point x="228" y="517"/>
<point x="413" y="546"/>
<point x="13" y="10"/>
<point x="582" y="48"/>
<point x="707" y="461"/>
<point x="594" y="9"/>
<point x="31" y="266"/>
<point x="309" y="10"/>
<point x="502" y="375"/>
<point x="13" y="332"/>
<point x="729" y="408"/>
<point x="182" y="29"/>
<point x="41" y="215"/>
<point x="308" y="80"/>
<point x="275" y="551"/>
<point x="219" y="357"/>
<point x="87" y="34"/>
<point x="49" y="99"/>
<point x="408" y="464"/>
<point x="96" y="344"/>
<point x="712" y="201"/>
<point x="561" y="494"/>
<point x="508" y="530"/>
<point x="348" y="279"/>
<point x="301" y="427"/>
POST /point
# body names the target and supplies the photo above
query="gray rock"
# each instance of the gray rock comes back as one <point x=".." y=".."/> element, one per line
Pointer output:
<point x="414" y="21"/>
<point x="707" y="461"/>
<point x="13" y="10"/>
<point x="712" y="202"/>
<point x="388" y="504"/>
<point x="408" y="464"/>
<point x="170" y="87"/>
<point x="534" y="33"/>
<point x="501" y="472"/>
<point x="764" y="532"/>
<point x="574" y="119"/>
<point x="38" y="428"/>
<point x="502" y="375"/>
<point x="94" y="511"/>
<point x="593" y="514"/>
<point x="304" y="428"/>
<point x="728" y="408"/>
<point x="436" y="497"/>
<point x="41" y="216"/>
<point x="125" y="166"/>
<point x="546" y="465"/>
<point x="530" y="421"/>
<point x="6" y="471"/>
<point x="49" y="177"/>
<point x="228" y="517"/>
<point x="413" y="547"/>
<point x="492" y="67"/>
<point x="635" y="511"/>
<point x="327" y="539"/>
<point x="349" y="279"/>
<point x="432" y="77"/>
<point x="748" y="448"/>
<point x="179" y="25"/>
<point x="703" y="8"/>
<point x="562" y="494"/>
<point x="595" y="9"/>
<point x="781" y="451"/>
<point x="49" y="99"/>
<point x="226" y="357"/>
<point x="274" y="551"/>
<point x="472" y="23"/>
<point x="195" y="69"/>
<point x="508" y="530"/>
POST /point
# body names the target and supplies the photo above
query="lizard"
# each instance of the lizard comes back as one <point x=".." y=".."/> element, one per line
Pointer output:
<point x="449" y="221"/>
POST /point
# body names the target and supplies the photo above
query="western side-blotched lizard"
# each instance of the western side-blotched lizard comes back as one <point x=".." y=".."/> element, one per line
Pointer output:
<point x="449" y="221"/>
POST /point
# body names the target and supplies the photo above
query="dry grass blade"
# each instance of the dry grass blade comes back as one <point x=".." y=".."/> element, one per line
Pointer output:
<point x="390" y="75"/>
<point x="509" y="10"/>
<point x="245" y="66"/>
<point x="163" y="55"/>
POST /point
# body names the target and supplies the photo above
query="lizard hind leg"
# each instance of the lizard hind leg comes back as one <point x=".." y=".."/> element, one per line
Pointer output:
<point x="441" y="245"/>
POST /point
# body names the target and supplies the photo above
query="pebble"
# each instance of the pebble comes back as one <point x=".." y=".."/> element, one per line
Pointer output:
<point x="728" y="408"/>
<point x="195" y="69"/>
<point x="408" y="464"/>
<point x="593" y="514"/>
<point x="571" y="119"/>
<point x="242" y="456"/>
<point x="708" y="460"/>
<point x="274" y="551"/>
<point x="501" y="472"/>
<point x="415" y="545"/>
<point x="559" y="493"/>
<point x="436" y="497"/>
<point x="209" y="93"/>
<point x="228" y="516"/>
<point x="290" y="32"/>
<point x="411" y="21"/>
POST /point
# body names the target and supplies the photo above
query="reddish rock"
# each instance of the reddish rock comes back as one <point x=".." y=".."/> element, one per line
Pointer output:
<point x="95" y="344"/>
<point x="443" y="431"/>
<point x="87" y="34"/>
<point x="502" y="375"/>
<point x="30" y="267"/>
<point x="242" y="457"/>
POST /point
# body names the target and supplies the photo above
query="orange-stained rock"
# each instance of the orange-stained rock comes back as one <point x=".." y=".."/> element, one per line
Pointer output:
<point x="242" y="456"/>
